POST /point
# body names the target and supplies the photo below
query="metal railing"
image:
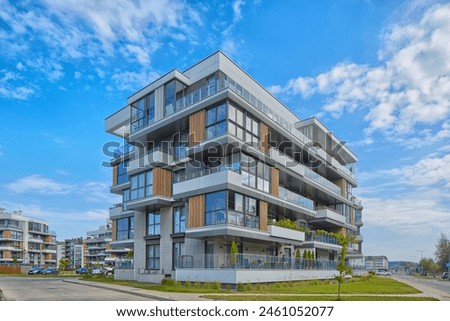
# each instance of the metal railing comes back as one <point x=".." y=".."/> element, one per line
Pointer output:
<point x="251" y="261"/>
<point x="123" y="150"/>
<point x="323" y="238"/>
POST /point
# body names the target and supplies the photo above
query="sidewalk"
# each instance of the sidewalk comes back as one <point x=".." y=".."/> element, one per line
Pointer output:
<point x="173" y="296"/>
<point x="155" y="295"/>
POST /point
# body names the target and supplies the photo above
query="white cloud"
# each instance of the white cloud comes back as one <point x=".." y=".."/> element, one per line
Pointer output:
<point x="10" y="89"/>
<point x="77" y="75"/>
<point x="417" y="213"/>
<point x="39" y="184"/>
<point x="408" y="91"/>
<point x="92" y="192"/>
<point x="237" y="13"/>
<point x="427" y="172"/>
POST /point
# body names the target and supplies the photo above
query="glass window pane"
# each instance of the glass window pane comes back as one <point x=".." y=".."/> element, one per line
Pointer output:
<point x="232" y="129"/>
<point x="238" y="202"/>
<point x="255" y="128"/>
<point x="134" y="182"/>
<point x="221" y="128"/>
<point x="248" y="123"/>
<point x="215" y="201"/>
<point x="141" y="180"/>
<point x="210" y="132"/>
<point x="149" y="178"/>
<point x="239" y="117"/>
<point x="232" y="113"/>
<point x="221" y="112"/>
<point x="210" y="116"/>
<point x="240" y="133"/>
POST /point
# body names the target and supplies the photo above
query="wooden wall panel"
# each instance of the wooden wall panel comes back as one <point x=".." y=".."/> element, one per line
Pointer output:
<point x="162" y="182"/>
<point x="197" y="127"/>
<point x="343" y="185"/>
<point x="114" y="230"/>
<point x="264" y="138"/>
<point x="197" y="211"/>
<point x="6" y="234"/>
<point x="275" y="181"/>
<point x="263" y="207"/>
<point x="114" y="176"/>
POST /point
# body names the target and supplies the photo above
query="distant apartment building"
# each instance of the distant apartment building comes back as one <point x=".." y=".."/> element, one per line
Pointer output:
<point x="379" y="262"/>
<point x="74" y="252"/>
<point x="221" y="181"/>
<point x="26" y="240"/>
<point x="97" y="246"/>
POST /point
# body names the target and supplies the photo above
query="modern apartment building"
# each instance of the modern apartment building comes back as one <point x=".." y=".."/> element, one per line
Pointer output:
<point x="74" y="251"/>
<point x="222" y="182"/>
<point x="97" y="245"/>
<point x="378" y="262"/>
<point x="26" y="240"/>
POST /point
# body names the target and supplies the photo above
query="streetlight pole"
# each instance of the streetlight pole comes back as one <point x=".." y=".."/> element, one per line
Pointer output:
<point x="421" y="253"/>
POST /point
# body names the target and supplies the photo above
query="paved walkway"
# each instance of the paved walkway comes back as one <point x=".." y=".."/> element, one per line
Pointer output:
<point x="172" y="296"/>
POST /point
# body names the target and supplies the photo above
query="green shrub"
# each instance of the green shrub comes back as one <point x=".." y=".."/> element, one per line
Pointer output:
<point x="228" y="287"/>
<point x="241" y="287"/>
<point x="168" y="282"/>
<point x="249" y="287"/>
<point x="216" y="285"/>
<point x="188" y="284"/>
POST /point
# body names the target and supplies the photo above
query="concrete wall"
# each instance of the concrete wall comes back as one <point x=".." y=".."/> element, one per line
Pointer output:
<point x="250" y="276"/>
<point x="124" y="274"/>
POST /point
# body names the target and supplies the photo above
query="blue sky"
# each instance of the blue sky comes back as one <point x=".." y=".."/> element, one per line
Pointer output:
<point x="377" y="73"/>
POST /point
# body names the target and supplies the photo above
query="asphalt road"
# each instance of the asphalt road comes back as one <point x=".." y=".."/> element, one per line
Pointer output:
<point x="55" y="289"/>
<point x="435" y="287"/>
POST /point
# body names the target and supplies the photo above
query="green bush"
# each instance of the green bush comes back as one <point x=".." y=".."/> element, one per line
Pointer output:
<point x="169" y="282"/>
<point x="241" y="287"/>
<point x="228" y="287"/>
<point x="188" y="284"/>
<point x="249" y="287"/>
<point x="216" y="285"/>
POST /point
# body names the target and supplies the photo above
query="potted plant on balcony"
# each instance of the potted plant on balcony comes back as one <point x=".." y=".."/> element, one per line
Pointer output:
<point x="297" y="259"/>
<point x="233" y="254"/>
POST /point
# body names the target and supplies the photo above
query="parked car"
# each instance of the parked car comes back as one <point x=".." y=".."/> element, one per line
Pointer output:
<point x="35" y="271"/>
<point x="383" y="273"/>
<point x="81" y="271"/>
<point x="107" y="270"/>
<point x="49" y="271"/>
<point x="96" y="271"/>
<point x="445" y="275"/>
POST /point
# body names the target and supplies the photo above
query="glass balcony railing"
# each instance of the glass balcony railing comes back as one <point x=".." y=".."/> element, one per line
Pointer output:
<point x="123" y="150"/>
<point x="206" y="172"/>
<point x="323" y="238"/>
<point x="295" y="198"/>
<point x="322" y="181"/>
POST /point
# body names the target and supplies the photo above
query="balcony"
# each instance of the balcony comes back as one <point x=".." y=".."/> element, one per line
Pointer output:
<point x="119" y="122"/>
<point x="7" y="226"/>
<point x="314" y="236"/>
<point x="329" y="213"/>
<point x="206" y="180"/>
<point x="295" y="198"/>
<point x="322" y="181"/>
<point x="285" y="233"/>
<point x="155" y="157"/>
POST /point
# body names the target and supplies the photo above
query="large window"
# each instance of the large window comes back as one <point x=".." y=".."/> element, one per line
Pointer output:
<point x="141" y="185"/>
<point x="122" y="176"/>
<point x="169" y="98"/>
<point x="215" y="208"/>
<point x="153" y="224"/>
<point x="232" y="208"/>
<point x="179" y="219"/>
<point x="243" y="126"/>
<point x="125" y="228"/>
<point x="242" y="210"/>
<point x="177" y="251"/>
<point x="255" y="173"/>
<point x="180" y="143"/>
<point x="216" y="121"/>
<point x="153" y="257"/>
<point x="142" y="112"/>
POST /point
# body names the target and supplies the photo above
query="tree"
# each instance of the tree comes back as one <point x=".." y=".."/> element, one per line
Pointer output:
<point x="342" y="267"/>
<point x="233" y="253"/>
<point x="63" y="264"/>
<point x="428" y="265"/>
<point x="442" y="252"/>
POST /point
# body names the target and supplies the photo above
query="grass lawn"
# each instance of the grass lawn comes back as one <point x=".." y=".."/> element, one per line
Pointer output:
<point x="314" y="298"/>
<point x="357" y="285"/>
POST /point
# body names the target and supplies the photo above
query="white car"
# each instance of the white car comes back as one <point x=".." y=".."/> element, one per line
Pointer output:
<point x="383" y="273"/>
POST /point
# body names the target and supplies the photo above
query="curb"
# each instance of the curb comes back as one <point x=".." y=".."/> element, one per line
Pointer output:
<point x="124" y="290"/>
